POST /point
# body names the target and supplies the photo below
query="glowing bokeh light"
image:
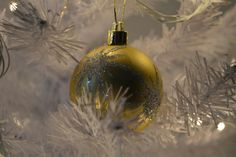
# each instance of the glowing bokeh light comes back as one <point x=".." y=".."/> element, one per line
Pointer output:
<point x="221" y="126"/>
<point x="13" y="6"/>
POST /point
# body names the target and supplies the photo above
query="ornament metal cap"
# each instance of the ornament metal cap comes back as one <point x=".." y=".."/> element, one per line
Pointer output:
<point x="117" y="35"/>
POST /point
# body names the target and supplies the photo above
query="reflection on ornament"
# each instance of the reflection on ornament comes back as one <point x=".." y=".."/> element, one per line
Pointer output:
<point x="118" y="68"/>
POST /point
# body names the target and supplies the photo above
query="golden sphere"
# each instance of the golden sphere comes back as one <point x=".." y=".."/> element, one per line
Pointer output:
<point x="116" y="68"/>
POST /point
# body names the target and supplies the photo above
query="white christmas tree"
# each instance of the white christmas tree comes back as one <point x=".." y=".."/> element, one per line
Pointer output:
<point x="42" y="41"/>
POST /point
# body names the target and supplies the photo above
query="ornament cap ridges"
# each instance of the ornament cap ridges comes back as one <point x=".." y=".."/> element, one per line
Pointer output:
<point x="117" y="35"/>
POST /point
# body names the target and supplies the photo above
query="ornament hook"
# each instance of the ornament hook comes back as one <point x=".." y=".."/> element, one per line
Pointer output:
<point x="123" y="12"/>
<point x="117" y="35"/>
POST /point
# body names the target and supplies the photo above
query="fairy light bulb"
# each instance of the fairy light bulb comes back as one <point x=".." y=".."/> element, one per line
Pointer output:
<point x="13" y="6"/>
<point x="221" y="126"/>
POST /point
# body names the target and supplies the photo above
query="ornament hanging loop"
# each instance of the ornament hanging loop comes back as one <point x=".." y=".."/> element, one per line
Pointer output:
<point x="117" y="35"/>
<point x="116" y="13"/>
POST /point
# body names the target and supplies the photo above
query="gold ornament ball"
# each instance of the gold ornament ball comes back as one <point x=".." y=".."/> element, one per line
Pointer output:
<point x="120" y="67"/>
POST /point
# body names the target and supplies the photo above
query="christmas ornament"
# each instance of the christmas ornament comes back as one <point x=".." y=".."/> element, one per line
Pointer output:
<point x="119" y="68"/>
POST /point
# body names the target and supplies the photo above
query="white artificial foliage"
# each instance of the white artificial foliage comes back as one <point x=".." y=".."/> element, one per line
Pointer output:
<point x="199" y="6"/>
<point x="4" y="53"/>
<point x="4" y="57"/>
<point x="210" y="34"/>
<point x="81" y="131"/>
<point x="207" y="96"/>
<point x="13" y="141"/>
<point x="33" y="90"/>
<point x="39" y="24"/>
<point x="89" y="11"/>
